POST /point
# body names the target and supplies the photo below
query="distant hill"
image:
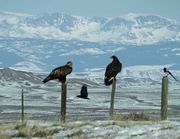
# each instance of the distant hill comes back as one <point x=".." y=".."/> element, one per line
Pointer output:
<point x="39" y="43"/>
<point x="132" y="77"/>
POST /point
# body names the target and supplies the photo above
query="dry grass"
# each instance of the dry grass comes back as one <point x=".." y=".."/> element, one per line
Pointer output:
<point x="3" y="129"/>
<point x="132" y="116"/>
<point x="23" y="130"/>
<point x="26" y="131"/>
<point x="5" y="136"/>
<point x="76" y="135"/>
<point x="6" y="126"/>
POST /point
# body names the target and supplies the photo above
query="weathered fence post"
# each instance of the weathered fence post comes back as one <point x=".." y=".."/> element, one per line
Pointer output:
<point x="112" y="97"/>
<point x="22" y="106"/>
<point x="164" y="98"/>
<point x="63" y="101"/>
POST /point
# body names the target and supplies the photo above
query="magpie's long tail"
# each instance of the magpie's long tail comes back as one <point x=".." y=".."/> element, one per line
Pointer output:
<point x="173" y="76"/>
<point x="108" y="80"/>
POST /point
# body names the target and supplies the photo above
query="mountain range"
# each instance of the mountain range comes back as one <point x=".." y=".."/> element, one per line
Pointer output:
<point x="39" y="43"/>
<point x="134" y="29"/>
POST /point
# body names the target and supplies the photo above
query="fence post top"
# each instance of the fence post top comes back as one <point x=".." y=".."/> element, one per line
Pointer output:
<point x="165" y="77"/>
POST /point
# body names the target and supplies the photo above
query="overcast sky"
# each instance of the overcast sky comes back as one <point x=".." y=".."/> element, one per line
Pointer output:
<point x="107" y="8"/>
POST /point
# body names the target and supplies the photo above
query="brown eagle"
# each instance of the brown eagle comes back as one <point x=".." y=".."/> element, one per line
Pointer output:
<point x="60" y="73"/>
<point x="112" y="70"/>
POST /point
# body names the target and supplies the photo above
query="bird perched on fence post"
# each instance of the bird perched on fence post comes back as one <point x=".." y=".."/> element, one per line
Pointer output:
<point x="60" y="73"/>
<point x="112" y="70"/>
<point x="167" y="72"/>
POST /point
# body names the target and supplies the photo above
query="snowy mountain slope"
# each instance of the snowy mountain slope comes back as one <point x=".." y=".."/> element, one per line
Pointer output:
<point x="39" y="43"/>
<point x="131" y="77"/>
<point x="130" y="29"/>
<point x="39" y="55"/>
<point x="14" y="78"/>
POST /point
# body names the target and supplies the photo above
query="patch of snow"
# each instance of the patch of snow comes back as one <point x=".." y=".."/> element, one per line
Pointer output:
<point x="175" y="49"/>
<point x="27" y="66"/>
<point x="83" y="51"/>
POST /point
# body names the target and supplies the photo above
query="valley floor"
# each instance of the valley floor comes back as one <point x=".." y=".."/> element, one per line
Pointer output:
<point x="92" y="114"/>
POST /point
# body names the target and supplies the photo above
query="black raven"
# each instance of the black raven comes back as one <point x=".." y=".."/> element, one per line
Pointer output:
<point x="84" y="92"/>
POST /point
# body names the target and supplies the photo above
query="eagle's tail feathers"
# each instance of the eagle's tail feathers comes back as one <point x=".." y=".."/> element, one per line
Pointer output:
<point x="108" y="81"/>
<point x="46" y="79"/>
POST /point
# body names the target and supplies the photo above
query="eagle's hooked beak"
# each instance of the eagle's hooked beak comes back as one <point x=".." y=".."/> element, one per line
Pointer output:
<point x="69" y="63"/>
<point x="111" y="57"/>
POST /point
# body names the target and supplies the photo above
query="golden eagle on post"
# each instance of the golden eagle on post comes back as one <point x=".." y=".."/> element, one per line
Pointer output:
<point x="60" y="73"/>
<point x="112" y="70"/>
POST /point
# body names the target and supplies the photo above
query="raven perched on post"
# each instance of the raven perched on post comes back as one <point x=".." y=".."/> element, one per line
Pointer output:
<point x="112" y="70"/>
<point x="60" y="73"/>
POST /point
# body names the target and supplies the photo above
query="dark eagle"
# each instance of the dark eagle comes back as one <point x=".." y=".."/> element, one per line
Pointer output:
<point x="60" y="73"/>
<point x="112" y="70"/>
<point x="166" y="71"/>
<point x="84" y="92"/>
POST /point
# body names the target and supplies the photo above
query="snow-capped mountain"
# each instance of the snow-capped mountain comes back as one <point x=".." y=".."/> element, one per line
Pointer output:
<point x="39" y="43"/>
<point x="130" y="29"/>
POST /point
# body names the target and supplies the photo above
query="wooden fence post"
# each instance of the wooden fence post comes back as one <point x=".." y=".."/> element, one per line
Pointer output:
<point x="22" y="106"/>
<point x="63" y="102"/>
<point x="164" y="98"/>
<point x="112" y="98"/>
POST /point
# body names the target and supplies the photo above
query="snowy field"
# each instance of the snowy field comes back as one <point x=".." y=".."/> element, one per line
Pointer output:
<point x="86" y="118"/>
<point x="89" y="118"/>
<point x="45" y="104"/>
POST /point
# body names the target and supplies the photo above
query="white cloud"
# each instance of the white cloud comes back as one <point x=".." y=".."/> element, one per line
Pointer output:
<point x="178" y="54"/>
<point x="175" y="49"/>
<point x="1" y="46"/>
<point x="116" y="50"/>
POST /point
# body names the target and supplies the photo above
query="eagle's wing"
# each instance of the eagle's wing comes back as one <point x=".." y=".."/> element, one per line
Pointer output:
<point x="113" y="70"/>
<point x="108" y="69"/>
<point x="60" y="71"/>
<point x="53" y="75"/>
